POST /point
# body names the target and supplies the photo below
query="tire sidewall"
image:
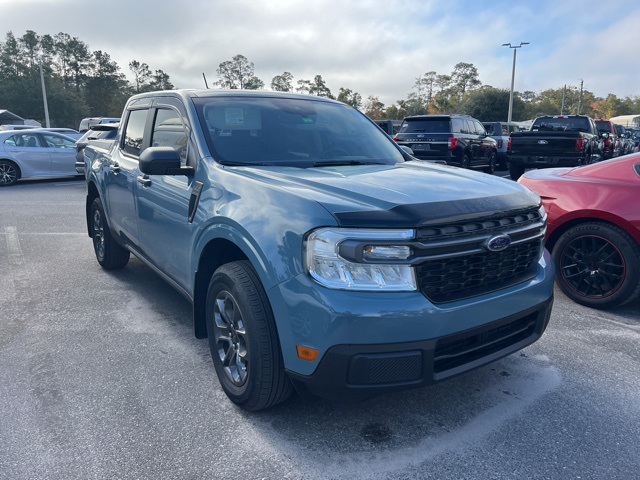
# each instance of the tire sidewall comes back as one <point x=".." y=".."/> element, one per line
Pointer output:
<point x="226" y="279"/>
<point x="628" y="250"/>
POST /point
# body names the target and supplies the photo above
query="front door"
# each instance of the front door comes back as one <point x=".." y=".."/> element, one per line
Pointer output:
<point x="163" y="203"/>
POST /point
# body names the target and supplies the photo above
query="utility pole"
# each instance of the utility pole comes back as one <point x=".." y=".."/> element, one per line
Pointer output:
<point x="564" y="93"/>
<point x="513" y="74"/>
<point x="580" y="98"/>
<point x="44" y="98"/>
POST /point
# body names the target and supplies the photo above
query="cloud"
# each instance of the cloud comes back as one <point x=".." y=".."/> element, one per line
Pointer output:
<point x="373" y="47"/>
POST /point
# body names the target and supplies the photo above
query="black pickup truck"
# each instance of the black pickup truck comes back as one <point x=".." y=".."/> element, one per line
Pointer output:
<point x="555" y="141"/>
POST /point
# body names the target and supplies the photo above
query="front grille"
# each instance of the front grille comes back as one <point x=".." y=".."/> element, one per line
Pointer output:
<point x="462" y="350"/>
<point x="453" y="263"/>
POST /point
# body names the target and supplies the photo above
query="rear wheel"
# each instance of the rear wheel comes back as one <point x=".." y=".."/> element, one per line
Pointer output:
<point x="465" y="162"/>
<point x="9" y="173"/>
<point x="492" y="163"/>
<point x="598" y="265"/>
<point x="243" y="339"/>
<point x="515" y="171"/>
<point x="109" y="254"/>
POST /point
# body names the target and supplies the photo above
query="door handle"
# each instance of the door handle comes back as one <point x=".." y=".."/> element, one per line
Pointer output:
<point x="144" y="180"/>
<point x="115" y="168"/>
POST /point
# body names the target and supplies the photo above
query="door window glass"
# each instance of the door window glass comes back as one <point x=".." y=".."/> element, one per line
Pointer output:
<point x="134" y="132"/>
<point x="55" y="141"/>
<point x="168" y="131"/>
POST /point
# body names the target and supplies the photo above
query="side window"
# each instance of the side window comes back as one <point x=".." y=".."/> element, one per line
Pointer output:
<point x="134" y="131"/>
<point x="58" y="142"/>
<point x="479" y="129"/>
<point x="169" y="131"/>
<point x="456" y="125"/>
<point x="466" y="127"/>
<point x="28" y="140"/>
<point x="506" y="129"/>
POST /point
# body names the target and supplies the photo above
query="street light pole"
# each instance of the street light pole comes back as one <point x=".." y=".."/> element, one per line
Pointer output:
<point x="513" y="74"/>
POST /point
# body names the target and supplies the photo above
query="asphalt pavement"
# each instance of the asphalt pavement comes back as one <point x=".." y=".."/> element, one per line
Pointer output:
<point x="101" y="377"/>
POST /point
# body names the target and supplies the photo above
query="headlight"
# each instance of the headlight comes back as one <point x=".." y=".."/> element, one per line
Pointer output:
<point x="360" y="259"/>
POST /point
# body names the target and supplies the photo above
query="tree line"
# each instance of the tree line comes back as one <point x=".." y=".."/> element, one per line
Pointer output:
<point x="82" y="83"/>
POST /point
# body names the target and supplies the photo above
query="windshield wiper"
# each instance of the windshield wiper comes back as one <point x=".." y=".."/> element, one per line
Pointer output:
<point x="335" y="163"/>
<point x="231" y="163"/>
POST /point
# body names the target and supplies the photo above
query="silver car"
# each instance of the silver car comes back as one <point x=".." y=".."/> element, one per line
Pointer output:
<point x="35" y="154"/>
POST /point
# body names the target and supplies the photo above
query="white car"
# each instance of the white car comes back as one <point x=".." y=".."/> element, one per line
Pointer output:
<point x="35" y="153"/>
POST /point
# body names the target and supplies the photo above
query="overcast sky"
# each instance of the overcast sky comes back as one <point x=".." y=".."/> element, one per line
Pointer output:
<point x="373" y="47"/>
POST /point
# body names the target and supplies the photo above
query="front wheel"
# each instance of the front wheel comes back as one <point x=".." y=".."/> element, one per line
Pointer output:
<point x="598" y="265"/>
<point x="243" y="339"/>
<point x="109" y="254"/>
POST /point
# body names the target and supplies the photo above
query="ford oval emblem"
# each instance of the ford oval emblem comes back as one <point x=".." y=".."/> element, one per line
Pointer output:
<point x="498" y="243"/>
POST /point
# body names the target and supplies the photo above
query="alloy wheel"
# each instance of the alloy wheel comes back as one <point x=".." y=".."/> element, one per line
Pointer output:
<point x="592" y="266"/>
<point x="231" y="338"/>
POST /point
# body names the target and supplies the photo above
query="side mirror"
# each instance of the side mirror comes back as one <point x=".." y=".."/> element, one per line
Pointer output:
<point x="605" y="135"/>
<point x="163" y="161"/>
<point x="406" y="149"/>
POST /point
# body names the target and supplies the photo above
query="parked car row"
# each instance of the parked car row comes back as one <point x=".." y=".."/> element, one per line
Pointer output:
<point x="35" y="152"/>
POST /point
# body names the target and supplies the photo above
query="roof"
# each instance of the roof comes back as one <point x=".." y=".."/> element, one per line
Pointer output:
<point x="627" y="120"/>
<point x="6" y="117"/>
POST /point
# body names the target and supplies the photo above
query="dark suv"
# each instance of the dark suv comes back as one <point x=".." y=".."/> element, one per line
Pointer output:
<point x="458" y="140"/>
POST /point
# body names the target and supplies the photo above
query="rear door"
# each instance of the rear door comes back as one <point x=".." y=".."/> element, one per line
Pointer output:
<point x="62" y="152"/>
<point x="122" y="173"/>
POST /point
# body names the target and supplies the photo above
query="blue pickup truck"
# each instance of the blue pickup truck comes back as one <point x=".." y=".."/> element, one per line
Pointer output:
<point x="317" y="254"/>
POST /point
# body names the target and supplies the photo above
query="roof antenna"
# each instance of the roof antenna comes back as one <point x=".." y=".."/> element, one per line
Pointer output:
<point x="205" y="81"/>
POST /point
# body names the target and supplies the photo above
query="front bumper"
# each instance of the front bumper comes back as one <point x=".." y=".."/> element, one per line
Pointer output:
<point x="351" y="373"/>
<point x="375" y="342"/>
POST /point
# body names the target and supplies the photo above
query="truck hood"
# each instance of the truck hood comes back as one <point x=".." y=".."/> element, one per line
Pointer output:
<point x="409" y="194"/>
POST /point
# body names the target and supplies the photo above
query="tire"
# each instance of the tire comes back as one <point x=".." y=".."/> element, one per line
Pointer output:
<point x="9" y="173"/>
<point x="243" y="339"/>
<point x="515" y="171"/>
<point x="109" y="254"/>
<point x="465" y="162"/>
<point x="492" y="164"/>
<point x="598" y="265"/>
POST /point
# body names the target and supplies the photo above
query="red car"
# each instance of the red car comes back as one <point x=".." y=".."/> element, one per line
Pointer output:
<point x="593" y="229"/>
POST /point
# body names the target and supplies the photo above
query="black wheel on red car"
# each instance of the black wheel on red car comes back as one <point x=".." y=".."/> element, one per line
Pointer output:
<point x="598" y="265"/>
<point x="243" y="339"/>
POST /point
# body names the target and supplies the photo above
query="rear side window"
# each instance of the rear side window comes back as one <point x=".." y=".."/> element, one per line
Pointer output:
<point x="134" y="132"/>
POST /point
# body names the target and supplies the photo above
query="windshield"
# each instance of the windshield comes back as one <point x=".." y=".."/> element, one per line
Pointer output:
<point x="292" y="132"/>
